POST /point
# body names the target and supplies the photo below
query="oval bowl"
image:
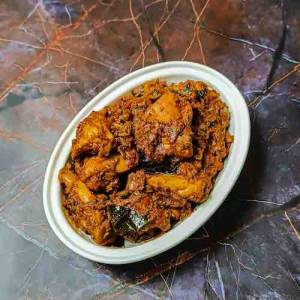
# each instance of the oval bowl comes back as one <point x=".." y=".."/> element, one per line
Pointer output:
<point x="171" y="72"/>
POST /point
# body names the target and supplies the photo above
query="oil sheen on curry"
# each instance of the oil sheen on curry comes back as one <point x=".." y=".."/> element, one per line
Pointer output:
<point x="142" y="164"/>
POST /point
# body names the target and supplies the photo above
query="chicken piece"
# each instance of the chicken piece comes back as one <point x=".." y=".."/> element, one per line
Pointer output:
<point x="137" y="182"/>
<point x="164" y="110"/>
<point x="75" y="188"/>
<point x="193" y="190"/>
<point x="164" y="129"/>
<point x="92" y="136"/>
<point x="67" y="177"/>
<point x="100" y="173"/>
<point x="84" y="210"/>
<point x="93" y="222"/>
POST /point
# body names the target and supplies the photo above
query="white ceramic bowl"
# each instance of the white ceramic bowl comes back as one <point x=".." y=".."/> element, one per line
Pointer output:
<point x="172" y="72"/>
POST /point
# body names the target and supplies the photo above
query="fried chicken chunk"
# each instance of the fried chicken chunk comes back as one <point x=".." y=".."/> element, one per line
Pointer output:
<point x="100" y="173"/>
<point x="164" y="129"/>
<point x="84" y="210"/>
<point x="194" y="190"/>
<point x="92" y="136"/>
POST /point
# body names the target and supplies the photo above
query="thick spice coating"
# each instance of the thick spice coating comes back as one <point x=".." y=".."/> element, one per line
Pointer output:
<point x="92" y="137"/>
<point x="144" y="162"/>
<point x="85" y="210"/>
<point x="164" y="129"/>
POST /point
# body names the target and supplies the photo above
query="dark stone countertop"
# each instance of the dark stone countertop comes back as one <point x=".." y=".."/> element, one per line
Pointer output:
<point x="56" y="55"/>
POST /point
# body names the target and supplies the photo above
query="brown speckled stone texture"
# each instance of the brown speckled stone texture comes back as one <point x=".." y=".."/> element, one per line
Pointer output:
<point x="56" y="55"/>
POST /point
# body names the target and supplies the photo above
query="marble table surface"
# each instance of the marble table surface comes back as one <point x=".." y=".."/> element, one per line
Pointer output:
<point x="56" y="55"/>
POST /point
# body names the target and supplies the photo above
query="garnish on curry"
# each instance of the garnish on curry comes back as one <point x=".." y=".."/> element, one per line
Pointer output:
<point x="143" y="163"/>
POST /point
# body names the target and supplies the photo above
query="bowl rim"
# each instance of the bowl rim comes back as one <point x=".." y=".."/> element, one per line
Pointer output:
<point x="240" y="114"/>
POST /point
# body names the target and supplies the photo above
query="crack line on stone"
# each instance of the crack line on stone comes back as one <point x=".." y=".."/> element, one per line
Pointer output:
<point x="278" y="52"/>
<point x="292" y="225"/>
<point x="51" y="44"/>
<point x="154" y="37"/>
<point x="250" y="43"/>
